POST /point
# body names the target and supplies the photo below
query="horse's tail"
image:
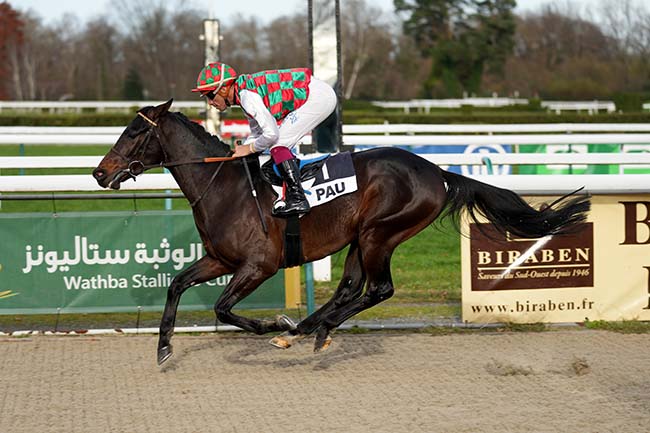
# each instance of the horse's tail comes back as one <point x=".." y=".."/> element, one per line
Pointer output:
<point x="509" y="212"/>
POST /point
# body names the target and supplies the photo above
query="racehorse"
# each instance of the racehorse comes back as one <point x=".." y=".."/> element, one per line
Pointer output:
<point x="399" y="194"/>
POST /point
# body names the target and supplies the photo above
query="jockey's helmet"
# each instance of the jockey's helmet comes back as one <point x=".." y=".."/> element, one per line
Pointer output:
<point x="214" y="76"/>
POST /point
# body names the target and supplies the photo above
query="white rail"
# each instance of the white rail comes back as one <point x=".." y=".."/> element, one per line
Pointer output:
<point x="588" y="106"/>
<point x="558" y="106"/>
<point x="523" y="184"/>
<point x="407" y="128"/>
<point x="384" y="128"/>
<point x="12" y="162"/>
<point x="372" y="140"/>
<point x="506" y="134"/>
<point x="501" y="139"/>
<point x="427" y="104"/>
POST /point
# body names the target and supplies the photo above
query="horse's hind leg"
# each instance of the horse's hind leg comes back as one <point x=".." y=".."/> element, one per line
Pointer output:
<point x="203" y="270"/>
<point x="349" y="288"/>
<point x="376" y="262"/>
<point x="244" y="282"/>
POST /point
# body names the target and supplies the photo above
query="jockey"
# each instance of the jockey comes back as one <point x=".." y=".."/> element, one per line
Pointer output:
<point x="281" y="106"/>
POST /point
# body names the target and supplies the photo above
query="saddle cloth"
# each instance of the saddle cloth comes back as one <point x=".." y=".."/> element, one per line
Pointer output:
<point x="323" y="179"/>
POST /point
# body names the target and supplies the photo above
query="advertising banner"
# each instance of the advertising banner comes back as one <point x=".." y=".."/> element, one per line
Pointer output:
<point x="106" y="262"/>
<point x="582" y="168"/>
<point x="601" y="272"/>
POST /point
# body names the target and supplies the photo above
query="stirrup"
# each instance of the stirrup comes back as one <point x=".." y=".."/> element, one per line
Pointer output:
<point x="282" y="209"/>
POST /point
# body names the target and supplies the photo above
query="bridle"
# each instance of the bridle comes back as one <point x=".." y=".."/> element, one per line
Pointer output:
<point x="136" y="167"/>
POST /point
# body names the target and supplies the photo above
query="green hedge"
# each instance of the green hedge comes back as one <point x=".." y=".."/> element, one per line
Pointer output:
<point x="350" y="116"/>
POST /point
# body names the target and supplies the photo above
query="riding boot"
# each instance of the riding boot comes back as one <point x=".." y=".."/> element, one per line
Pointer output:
<point x="295" y="202"/>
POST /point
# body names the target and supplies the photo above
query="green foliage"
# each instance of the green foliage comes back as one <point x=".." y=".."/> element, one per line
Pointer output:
<point x="630" y="102"/>
<point x="358" y="112"/>
<point x="36" y="118"/>
<point x="65" y="119"/>
<point x="425" y="268"/>
<point x="463" y="37"/>
<point x="133" y="87"/>
<point x="623" y="327"/>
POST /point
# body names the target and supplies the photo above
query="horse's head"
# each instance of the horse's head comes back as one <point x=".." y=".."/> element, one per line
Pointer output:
<point x="138" y="148"/>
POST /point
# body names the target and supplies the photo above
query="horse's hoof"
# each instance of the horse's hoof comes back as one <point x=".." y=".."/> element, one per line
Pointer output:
<point x="285" y="323"/>
<point x="324" y="346"/>
<point x="323" y="340"/>
<point x="164" y="353"/>
<point x="281" y="342"/>
<point x="285" y="340"/>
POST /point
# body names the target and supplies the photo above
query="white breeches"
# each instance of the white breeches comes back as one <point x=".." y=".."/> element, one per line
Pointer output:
<point x="320" y="104"/>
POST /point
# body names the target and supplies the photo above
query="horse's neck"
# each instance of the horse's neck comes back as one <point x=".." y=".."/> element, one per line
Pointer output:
<point x="192" y="178"/>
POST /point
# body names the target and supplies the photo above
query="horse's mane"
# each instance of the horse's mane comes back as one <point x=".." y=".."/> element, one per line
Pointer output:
<point x="201" y="134"/>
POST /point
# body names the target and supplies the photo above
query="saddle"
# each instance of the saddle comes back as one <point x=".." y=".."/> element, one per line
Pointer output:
<point x="308" y="169"/>
<point x="324" y="179"/>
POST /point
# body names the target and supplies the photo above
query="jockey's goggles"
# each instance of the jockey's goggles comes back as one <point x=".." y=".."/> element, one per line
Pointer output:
<point x="210" y="95"/>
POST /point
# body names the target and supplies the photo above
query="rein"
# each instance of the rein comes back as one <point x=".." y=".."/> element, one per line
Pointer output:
<point x="136" y="167"/>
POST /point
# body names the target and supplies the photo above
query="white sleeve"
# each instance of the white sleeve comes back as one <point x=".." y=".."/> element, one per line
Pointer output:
<point x="264" y="128"/>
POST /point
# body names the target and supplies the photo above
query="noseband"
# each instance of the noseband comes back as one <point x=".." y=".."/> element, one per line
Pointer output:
<point x="135" y="166"/>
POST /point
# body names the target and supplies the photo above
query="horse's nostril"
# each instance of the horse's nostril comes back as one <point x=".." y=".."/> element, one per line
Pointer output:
<point x="98" y="173"/>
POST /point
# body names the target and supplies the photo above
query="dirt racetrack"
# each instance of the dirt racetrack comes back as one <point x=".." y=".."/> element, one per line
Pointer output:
<point x="560" y="381"/>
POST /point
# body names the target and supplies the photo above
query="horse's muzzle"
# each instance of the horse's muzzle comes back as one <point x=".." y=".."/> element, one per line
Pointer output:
<point x="106" y="181"/>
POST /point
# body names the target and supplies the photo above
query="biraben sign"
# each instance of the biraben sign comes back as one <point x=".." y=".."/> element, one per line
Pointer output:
<point x="599" y="273"/>
<point x="500" y="262"/>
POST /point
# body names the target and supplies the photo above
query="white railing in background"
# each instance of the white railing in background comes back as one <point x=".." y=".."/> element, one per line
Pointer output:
<point x="405" y="134"/>
<point x="445" y="159"/>
<point x="524" y="184"/>
<point x="413" y="128"/>
<point x="567" y="134"/>
<point x="590" y="107"/>
<point x="426" y="105"/>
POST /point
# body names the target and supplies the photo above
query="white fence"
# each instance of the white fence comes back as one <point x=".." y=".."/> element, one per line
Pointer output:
<point x="567" y="134"/>
<point x="408" y="134"/>
<point x="426" y="105"/>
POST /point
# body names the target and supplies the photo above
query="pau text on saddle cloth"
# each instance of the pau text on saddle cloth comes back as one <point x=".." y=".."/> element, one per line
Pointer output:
<point x="335" y="179"/>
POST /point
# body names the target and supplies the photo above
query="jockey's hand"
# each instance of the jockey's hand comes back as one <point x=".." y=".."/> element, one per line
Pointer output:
<point x="242" y="151"/>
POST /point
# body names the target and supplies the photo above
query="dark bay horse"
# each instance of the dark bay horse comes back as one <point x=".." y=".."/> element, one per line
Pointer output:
<point x="399" y="195"/>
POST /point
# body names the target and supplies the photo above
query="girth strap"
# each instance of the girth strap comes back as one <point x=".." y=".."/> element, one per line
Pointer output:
<point x="292" y="243"/>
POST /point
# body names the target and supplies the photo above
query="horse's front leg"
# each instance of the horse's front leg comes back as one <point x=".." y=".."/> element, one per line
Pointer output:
<point x="245" y="280"/>
<point x="207" y="268"/>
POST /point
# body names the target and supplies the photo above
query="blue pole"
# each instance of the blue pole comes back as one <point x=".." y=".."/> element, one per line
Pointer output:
<point x="168" y="201"/>
<point x="488" y="163"/>
<point x="21" y="152"/>
<point x="309" y="287"/>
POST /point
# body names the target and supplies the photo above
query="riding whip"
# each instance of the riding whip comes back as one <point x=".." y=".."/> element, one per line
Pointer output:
<point x="254" y="194"/>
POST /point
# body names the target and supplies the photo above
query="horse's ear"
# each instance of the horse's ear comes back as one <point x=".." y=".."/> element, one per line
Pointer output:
<point x="161" y="109"/>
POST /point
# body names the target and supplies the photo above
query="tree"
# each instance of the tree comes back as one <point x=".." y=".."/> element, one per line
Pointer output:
<point x="162" y="44"/>
<point x="462" y="37"/>
<point x="367" y="46"/>
<point x="560" y="55"/>
<point x="11" y="39"/>
<point x="133" y="88"/>
<point x="288" y="42"/>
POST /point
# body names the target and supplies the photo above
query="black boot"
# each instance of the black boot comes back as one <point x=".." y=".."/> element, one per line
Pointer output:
<point x="295" y="202"/>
